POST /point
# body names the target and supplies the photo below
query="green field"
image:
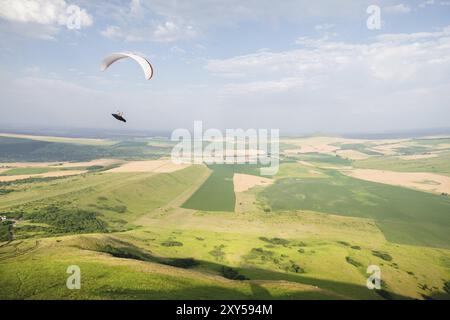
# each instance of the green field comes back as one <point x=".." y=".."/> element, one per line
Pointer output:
<point x="324" y="159"/>
<point x="14" y="149"/>
<point x="439" y="164"/>
<point x="338" y="194"/>
<point x="217" y="193"/>
<point x="359" y="147"/>
<point x="20" y="171"/>
<point x="309" y="235"/>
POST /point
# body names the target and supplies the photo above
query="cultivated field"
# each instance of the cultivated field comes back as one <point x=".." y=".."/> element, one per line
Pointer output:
<point x="417" y="180"/>
<point x="140" y="227"/>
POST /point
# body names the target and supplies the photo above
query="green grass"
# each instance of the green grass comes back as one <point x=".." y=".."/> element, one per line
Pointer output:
<point x="118" y="198"/>
<point x="432" y="142"/>
<point x="6" y="231"/>
<point x="411" y="150"/>
<point x="342" y="195"/>
<point x="22" y="149"/>
<point x="322" y="159"/>
<point x="26" y="171"/>
<point x="359" y="147"/>
<point x="217" y="192"/>
<point x="68" y="220"/>
<point x="136" y="264"/>
<point x="153" y="249"/>
<point x="295" y="170"/>
<point x="124" y="273"/>
<point x="439" y="164"/>
<point x="39" y="170"/>
<point x="416" y="233"/>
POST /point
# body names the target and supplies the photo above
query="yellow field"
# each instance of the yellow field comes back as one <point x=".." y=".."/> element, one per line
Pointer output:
<point x="243" y="182"/>
<point x="85" y="141"/>
<point x="42" y="175"/>
<point x="160" y="166"/>
<point x="425" y="181"/>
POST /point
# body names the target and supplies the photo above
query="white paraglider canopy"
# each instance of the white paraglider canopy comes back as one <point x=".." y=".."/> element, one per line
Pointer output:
<point x="143" y="62"/>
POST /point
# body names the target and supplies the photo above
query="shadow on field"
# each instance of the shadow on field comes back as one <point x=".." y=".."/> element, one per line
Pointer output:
<point x="339" y="290"/>
<point x="438" y="296"/>
<point x="260" y="292"/>
<point x="325" y="289"/>
<point x="332" y="289"/>
<point x="204" y="293"/>
<point x="328" y="289"/>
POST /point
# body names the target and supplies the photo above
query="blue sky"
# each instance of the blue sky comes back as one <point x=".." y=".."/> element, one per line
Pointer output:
<point x="301" y="66"/>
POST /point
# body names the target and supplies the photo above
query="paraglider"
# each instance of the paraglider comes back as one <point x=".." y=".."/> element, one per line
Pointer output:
<point x="143" y="62"/>
<point x="119" y="116"/>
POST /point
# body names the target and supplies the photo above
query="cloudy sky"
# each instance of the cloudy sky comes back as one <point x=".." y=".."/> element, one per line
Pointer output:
<point x="301" y="66"/>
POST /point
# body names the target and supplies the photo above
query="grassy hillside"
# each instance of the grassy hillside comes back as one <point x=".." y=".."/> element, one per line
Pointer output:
<point x="148" y="235"/>
<point x="115" y="198"/>
<point x="183" y="255"/>
<point x="42" y="275"/>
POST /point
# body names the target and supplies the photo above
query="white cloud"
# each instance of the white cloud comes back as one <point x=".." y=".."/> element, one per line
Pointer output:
<point x="417" y="36"/>
<point x="267" y="87"/>
<point x="177" y="50"/>
<point x="325" y="26"/>
<point x="396" y="58"/>
<point x="136" y="8"/>
<point x="172" y="20"/>
<point x="320" y="84"/>
<point x="170" y="32"/>
<point x="40" y="18"/>
<point x="331" y="84"/>
<point x="231" y="12"/>
<point x="112" y="32"/>
<point x="426" y="3"/>
<point x="133" y="24"/>
<point x="398" y="8"/>
<point x="165" y="32"/>
<point x="116" y="33"/>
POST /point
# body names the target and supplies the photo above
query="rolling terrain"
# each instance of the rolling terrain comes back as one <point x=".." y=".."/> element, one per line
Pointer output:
<point x="151" y="230"/>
